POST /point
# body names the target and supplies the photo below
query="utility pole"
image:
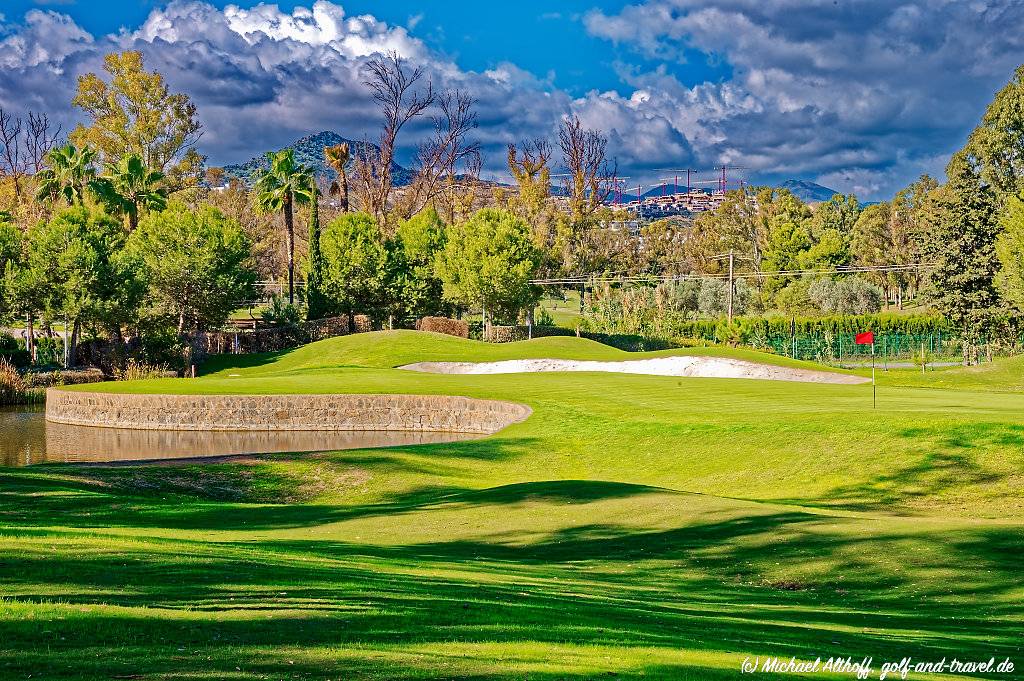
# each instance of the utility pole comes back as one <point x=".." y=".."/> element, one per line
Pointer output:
<point x="731" y="286"/>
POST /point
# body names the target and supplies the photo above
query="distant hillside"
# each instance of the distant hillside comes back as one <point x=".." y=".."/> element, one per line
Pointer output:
<point x="309" y="151"/>
<point x="808" y="192"/>
<point x="658" y="190"/>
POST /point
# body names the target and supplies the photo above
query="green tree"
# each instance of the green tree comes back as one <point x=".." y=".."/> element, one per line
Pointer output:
<point x="996" y="147"/>
<point x="418" y="289"/>
<point x="278" y="189"/>
<point x="10" y="263"/>
<point x="830" y="250"/>
<point x="135" y="113"/>
<point x="787" y="242"/>
<point x="69" y="171"/>
<point x="1010" y="251"/>
<point x="961" y="243"/>
<point x="130" y="187"/>
<point x="356" y="264"/>
<point x="197" y="264"/>
<point x="489" y="261"/>
<point x="77" y="264"/>
<point x="872" y="241"/>
<point x="19" y="289"/>
<point x="839" y="213"/>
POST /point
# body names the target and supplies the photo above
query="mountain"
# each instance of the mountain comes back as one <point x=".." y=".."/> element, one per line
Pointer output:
<point x="309" y="151"/>
<point x="808" y="192"/>
<point x="658" y="190"/>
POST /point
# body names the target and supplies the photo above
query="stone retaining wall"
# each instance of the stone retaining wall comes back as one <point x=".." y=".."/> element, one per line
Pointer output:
<point x="282" y="412"/>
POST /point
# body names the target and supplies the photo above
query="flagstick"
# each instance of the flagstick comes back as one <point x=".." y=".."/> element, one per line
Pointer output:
<point x="874" y="394"/>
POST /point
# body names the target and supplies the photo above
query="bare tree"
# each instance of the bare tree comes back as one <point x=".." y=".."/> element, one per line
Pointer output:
<point x="591" y="175"/>
<point x="530" y="158"/>
<point x="462" y="194"/>
<point x="396" y="92"/>
<point x="40" y="137"/>
<point x="12" y="162"/>
<point x="439" y="159"/>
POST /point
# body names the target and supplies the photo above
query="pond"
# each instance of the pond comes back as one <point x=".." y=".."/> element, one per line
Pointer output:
<point x="27" y="438"/>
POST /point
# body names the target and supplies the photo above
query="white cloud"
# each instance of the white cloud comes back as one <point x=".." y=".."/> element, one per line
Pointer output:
<point x="864" y="95"/>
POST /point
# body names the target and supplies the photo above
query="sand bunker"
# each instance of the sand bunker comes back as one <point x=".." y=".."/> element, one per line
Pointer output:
<point x="701" y="367"/>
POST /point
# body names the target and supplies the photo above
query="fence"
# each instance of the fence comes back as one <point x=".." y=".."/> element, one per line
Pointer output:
<point x="279" y="338"/>
<point x="840" y="347"/>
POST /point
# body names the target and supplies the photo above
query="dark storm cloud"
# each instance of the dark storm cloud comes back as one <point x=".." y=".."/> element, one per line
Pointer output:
<point x="861" y="94"/>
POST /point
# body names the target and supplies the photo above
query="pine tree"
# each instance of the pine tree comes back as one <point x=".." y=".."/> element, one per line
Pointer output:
<point x="961" y="243"/>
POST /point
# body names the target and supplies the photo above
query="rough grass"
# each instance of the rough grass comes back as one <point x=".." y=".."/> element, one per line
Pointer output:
<point x="633" y="527"/>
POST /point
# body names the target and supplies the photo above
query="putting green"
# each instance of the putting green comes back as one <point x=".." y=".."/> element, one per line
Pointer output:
<point x="633" y="527"/>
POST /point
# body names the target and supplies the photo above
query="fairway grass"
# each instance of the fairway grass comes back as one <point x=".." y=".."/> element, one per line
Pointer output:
<point x="633" y="527"/>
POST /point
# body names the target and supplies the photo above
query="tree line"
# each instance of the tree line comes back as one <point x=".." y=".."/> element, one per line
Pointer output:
<point x="119" y="229"/>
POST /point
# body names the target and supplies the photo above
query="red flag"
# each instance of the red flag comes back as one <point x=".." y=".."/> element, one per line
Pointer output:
<point x="866" y="338"/>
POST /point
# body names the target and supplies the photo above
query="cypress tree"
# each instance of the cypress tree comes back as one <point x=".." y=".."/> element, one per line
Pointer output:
<point x="317" y="305"/>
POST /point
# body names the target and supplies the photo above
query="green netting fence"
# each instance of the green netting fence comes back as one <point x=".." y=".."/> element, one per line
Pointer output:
<point x="841" y="347"/>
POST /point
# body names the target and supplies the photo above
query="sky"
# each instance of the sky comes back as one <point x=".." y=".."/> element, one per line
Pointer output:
<point x="859" y="95"/>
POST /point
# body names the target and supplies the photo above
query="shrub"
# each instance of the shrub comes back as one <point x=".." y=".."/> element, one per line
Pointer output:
<point x="12" y="351"/>
<point x="138" y="371"/>
<point x="12" y="387"/>
<point x="46" y="379"/>
<point x="713" y="297"/>
<point x="281" y="312"/>
<point x="505" y="334"/>
<point x="328" y="327"/>
<point x="49" y="350"/>
<point x="851" y="295"/>
<point x="362" y="323"/>
<point x="450" y="327"/>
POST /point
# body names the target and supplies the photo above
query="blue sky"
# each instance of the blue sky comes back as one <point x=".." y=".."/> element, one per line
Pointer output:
<point x="477" y="35"/>
<point x="862" y="95"/>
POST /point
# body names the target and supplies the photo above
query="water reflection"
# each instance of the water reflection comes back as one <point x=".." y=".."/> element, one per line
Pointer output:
<point x="27" y="438"/>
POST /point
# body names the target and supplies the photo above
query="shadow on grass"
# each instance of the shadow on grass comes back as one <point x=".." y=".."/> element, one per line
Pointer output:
<point x="444" y="609"/>
<point x="946" y="462"/>
<point x="556" y="604"/>
<point x="216" y="363"/>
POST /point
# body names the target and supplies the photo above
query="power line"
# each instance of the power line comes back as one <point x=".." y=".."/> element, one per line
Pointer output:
<point x="646" y="278"/>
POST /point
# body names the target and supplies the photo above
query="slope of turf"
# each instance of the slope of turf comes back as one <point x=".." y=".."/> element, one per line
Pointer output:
<point x="633" y="527"/>
<point x="1005" y="374"/>
<point x="388" y="349"/>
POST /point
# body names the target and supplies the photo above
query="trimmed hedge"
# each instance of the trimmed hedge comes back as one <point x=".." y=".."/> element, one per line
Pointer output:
<point x="772" y="327"/>
<point x="506" y="334"/>
<point x="450" y="327"/>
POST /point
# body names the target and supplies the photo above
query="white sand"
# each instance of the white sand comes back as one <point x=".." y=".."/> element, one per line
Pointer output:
<point x="702" y="367"/>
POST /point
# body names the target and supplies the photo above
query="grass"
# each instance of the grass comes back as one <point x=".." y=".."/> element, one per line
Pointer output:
<point x="633" y="527"/>
<point x="563" y="312"/>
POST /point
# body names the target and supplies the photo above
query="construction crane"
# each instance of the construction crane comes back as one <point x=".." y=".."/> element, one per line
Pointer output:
<point x="723" y="180"/>
<point x="679" y="171"/>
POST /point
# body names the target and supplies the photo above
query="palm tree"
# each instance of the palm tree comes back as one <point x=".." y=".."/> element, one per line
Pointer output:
<point x="338" y="158"/>
<point x="284" y="184"/>
<point x="69" y="171"/>
<point x="130" y="186"/>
